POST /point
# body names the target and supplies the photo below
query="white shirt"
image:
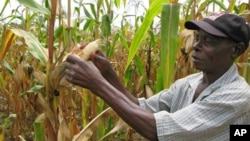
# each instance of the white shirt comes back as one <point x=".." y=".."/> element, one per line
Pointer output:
<point x="223" y="103"/>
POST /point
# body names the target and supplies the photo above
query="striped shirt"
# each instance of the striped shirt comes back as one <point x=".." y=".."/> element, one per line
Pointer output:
<point x="223" y="103"/>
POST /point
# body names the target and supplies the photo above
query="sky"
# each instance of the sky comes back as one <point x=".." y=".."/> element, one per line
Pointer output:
<point x="133" y="7"/>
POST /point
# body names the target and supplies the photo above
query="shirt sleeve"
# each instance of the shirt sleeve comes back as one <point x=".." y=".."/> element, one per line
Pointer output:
<point x="153" y="103"/>
<point x="162" y="100"/>
<point x="158" y="102"/>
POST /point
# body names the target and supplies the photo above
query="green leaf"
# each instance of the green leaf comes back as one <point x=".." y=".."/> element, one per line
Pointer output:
<point x="33" y="5"/>
<point x="154" y="9"/>
<point x="169" y="45"/>
<point x="124" y="42"/>
<point x="92" y="7"/>
<point x="58" y="31"/>
<point x="128" y="75"/>
<point x="242" y="8"/>
<point x="139" y="65"/>
<point x="14" y="17"/>
<point x="88" y="24"/>
<point x="7" y="121"/>
<point x="86" y="12"/>
<point x="220" y="4"/>
<point x="117" y="3"/>
<point x="4" y="6"/>
<point x="77" y="10"/>
<point x="8" y="67"/>
<point x="105" y="26"/>
<point x="34" y="46"/>
<point x="39" y="127"/>
<point x="203" y="5"/>
<point x="33" y="89"/>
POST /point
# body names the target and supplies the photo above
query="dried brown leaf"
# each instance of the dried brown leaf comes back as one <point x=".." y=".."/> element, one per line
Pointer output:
<point x="119" y="126"/>
<point x="9" y="38"/>
<point x="88" y="131"/>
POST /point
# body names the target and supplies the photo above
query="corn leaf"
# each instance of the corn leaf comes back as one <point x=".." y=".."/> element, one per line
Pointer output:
<point x="34" y="46"/>
<point x="169" y="44"/>
<point x="8" y="67"/>
<point x="220" y="4"/>
<point x="105" y="26"/>
<point x="154" y="9"/>
<point x="8" y="40"/>
<point x="4" y="6"/>
<point x="92" y="7"/>
<point x="39" y="127"/>
<point x="33" y="5"/>
<point x="87" y="132"/>
<point x="35" y="88"/>
<point x="118" y="127"/>
<point x="86" y="12"/>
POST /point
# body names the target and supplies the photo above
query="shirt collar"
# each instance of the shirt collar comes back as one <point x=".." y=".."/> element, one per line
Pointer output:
<point x="230" y="75"/>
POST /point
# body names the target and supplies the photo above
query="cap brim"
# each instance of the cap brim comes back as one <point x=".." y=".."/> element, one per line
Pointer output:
<point x="196" y="25"/>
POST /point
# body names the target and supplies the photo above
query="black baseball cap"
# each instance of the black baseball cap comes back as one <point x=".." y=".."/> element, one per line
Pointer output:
<point x="223" y="24"/>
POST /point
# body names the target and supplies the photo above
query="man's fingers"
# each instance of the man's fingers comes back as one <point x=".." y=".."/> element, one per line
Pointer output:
<point x="100" y="53"/>
<point x="71" y="73"/>
<point x="83" y="45"/>
<point x="97" y="60"/>
<point x="96" y="54"/>
<point x="68" y="76"/>
<point x="73" y="59"/>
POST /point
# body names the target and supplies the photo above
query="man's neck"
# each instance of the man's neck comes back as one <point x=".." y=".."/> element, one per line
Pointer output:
<point x="210" y="77"/>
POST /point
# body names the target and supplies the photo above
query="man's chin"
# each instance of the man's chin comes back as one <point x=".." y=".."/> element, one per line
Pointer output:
<point x="199" y="68"/>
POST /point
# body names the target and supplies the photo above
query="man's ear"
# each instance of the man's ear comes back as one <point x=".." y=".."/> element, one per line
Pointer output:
<point x="238" y="49"/>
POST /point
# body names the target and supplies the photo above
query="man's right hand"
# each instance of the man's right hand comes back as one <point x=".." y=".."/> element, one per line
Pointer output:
<point x="102" y="63"/>
<point x="105" y="68"/>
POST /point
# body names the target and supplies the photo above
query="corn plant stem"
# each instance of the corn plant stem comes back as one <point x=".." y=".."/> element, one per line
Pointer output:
<point x="69" y="13"/>
<point x="60" y="42"/>
<point x="97" y="18"/>
<point x="69" y="23"/>
<point x="52" y="133"/>
<point x="51" y="29"/>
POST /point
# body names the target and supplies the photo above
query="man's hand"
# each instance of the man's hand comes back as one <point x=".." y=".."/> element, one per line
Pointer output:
<point x="102" y="63"/>
<point x="82" y="73"/>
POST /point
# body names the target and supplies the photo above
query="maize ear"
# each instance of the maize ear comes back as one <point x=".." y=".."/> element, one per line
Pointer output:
<point x="89" y="49"/>
<point x="57" y="77"/>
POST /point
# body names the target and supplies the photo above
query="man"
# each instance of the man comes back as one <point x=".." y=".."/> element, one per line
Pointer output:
<point x="200" y="106"/>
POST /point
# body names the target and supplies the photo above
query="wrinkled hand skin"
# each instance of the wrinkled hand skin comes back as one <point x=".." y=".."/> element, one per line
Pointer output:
<point x="102" y="64"/>
<point x="107" y="71"/>
<point x="81" y="73"/>
<point x="98" y="76"/>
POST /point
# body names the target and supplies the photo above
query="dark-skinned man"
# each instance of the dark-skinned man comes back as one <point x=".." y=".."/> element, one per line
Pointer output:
<point x="201" y="106"/>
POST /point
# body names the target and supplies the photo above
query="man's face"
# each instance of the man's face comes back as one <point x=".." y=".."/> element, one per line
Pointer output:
<point x="212" y="54"/>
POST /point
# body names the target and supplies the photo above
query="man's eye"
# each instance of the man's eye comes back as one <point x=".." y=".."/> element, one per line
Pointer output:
<point x="208" y="39"/>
